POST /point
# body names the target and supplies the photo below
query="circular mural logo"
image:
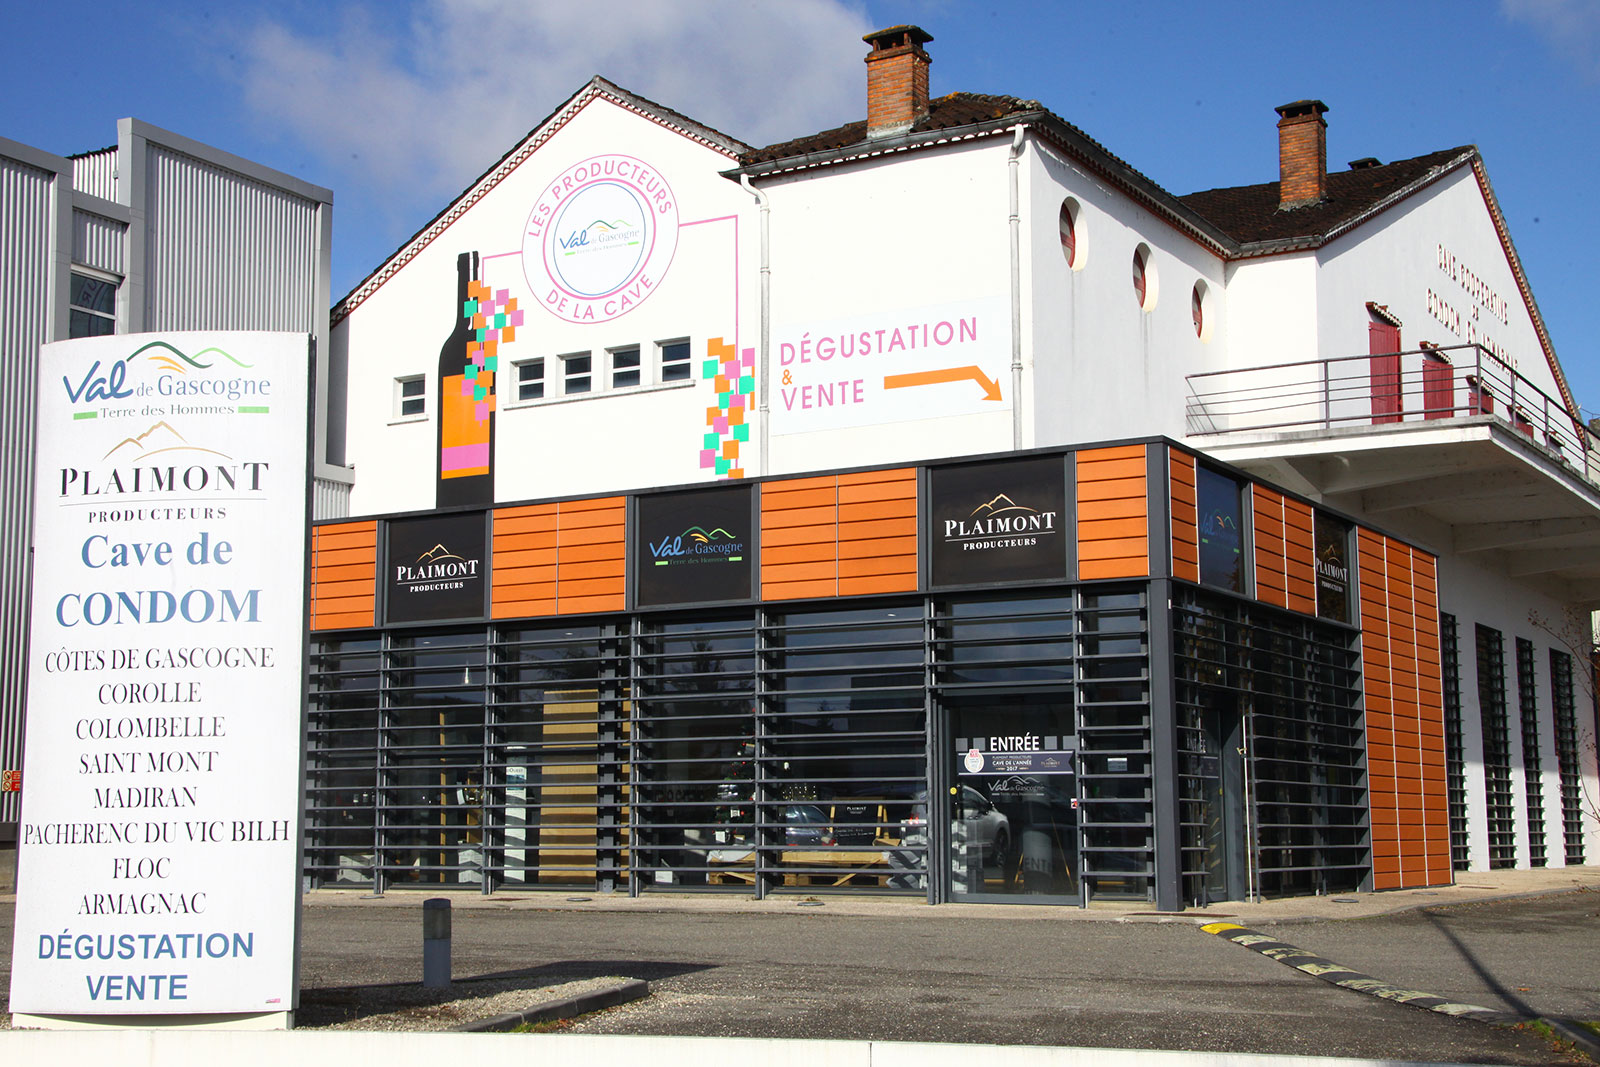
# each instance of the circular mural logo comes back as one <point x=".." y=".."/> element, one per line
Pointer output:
<point x="599" y="238"/>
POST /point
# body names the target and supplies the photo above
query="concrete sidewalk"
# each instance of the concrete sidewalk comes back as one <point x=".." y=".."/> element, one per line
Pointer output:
<point x="1471" y="887"/>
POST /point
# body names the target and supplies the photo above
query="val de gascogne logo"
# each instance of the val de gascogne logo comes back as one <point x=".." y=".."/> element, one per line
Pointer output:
<point x="697" y="544"/>
<point x="177" y="374"/>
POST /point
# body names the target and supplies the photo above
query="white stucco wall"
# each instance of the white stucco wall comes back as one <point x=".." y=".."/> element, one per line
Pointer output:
<point x="604" y="440"/>
<point x="1476" y="595"/>
<point x="904" y="241"/>
<point x="1103" y="367"/>
<point x="1441" y="269"/>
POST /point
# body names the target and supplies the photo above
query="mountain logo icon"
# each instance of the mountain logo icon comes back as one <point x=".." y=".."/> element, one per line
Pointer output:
<point x="160" y="437"/>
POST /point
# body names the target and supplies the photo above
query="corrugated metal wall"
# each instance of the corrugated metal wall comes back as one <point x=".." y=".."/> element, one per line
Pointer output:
<point x="223" y="252"/>
<point x="99" y="242"/>
<point x="330" y="499"/>
<point x="96" y="173"/>
<point x="26" y="255"/>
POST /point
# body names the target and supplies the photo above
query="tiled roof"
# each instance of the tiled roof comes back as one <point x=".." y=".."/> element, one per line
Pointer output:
<point x="1249" y="213"/>
<point x="979" y="113"/>
<point x="944" y="113"/>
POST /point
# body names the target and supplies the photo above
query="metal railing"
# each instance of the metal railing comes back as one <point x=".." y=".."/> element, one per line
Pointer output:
<point x="1425" y="384"/>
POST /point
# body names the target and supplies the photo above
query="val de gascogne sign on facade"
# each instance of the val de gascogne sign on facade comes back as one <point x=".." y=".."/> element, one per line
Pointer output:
<point x="158" y="848"/>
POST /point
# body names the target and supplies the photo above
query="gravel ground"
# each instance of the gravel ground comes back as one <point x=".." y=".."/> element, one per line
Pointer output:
<point x="412" y="1007"/>
<point x="409" y="1006"/>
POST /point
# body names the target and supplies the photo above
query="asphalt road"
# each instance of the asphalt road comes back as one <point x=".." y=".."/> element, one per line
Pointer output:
<point x="1011" y="975"/>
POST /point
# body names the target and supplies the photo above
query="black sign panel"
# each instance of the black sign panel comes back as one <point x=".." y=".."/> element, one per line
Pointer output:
<point x="1333" y="567"/>
<point x="694" y="547"/>
<point x="998" y="522"/>
<point x="437" y="568"/>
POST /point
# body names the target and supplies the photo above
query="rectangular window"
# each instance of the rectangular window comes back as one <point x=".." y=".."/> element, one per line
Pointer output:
<point x="577" y="369"/>
<point x="1564" y="702"/>
<point x="1496" y="747"/>
<point x="675" y="361"/>
<point x="92" y="304"/>
<point x="530" y="379"/>
<point x="1455" y="762"/>
<point x="1219" y="499"/>
<point x="1532" y="765"/>
<point x="410" y="397"/>
<point x="625" y="367"/>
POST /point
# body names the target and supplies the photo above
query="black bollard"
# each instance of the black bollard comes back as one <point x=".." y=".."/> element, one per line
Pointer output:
<point x="436" y="943"/>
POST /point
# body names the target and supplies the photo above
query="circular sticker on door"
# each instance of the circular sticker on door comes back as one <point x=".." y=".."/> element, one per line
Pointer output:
<point x="973" y="761"/>
<point x="600" y="238"/>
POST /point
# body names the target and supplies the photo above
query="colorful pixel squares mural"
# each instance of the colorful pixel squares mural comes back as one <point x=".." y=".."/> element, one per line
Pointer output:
<point x="732" y="374"/>
<point x="494" y="317"/>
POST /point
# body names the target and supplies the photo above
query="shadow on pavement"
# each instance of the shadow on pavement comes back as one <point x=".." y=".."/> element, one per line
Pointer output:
<point x="333" y="1005"/>
<point x="1513" y="1002"/>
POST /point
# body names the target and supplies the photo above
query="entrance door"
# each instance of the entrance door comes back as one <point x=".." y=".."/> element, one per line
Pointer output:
<point x="1012" y="805"/>
<point x="1221" y="773"/>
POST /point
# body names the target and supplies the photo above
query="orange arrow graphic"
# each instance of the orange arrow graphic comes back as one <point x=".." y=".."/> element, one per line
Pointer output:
<point x="991" y="388"/>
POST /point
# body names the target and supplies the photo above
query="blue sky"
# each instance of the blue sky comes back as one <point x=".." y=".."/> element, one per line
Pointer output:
<point x="397" y="106"/>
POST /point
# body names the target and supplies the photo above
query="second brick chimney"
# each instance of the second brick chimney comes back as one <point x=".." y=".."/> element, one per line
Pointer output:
<point x="1302" y="154"/>
<point x="897" y="79"/>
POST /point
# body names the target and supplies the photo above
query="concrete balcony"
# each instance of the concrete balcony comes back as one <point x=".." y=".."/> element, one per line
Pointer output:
<point x="1452" y="446"/>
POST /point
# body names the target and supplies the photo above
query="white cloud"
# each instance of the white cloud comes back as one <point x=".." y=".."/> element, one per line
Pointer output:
<point x="411" y="103"/>
<point x="1570" y="27"/>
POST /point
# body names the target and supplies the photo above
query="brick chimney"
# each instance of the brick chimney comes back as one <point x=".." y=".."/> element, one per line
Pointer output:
<point x="897" y="79"/>
<point x="1302" y="154"/>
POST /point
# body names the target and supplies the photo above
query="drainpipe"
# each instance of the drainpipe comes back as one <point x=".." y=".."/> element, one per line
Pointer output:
<point x="1018" y="133"/>
<point x="764" y="356"/>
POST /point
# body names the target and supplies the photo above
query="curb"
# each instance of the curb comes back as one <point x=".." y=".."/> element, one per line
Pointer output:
<point x="1345" y="978"/>
<point x="570" y="1007"/>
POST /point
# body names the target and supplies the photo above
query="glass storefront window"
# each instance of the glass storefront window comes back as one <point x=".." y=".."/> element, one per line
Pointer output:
<point x="1219" y="501"/>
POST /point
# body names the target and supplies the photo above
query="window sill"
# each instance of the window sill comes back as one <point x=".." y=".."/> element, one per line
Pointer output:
<point x="599" y="394"/>
<point x="405" y="420"/>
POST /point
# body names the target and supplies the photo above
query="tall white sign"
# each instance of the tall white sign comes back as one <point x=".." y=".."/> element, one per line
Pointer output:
<point x="158" y="849"/>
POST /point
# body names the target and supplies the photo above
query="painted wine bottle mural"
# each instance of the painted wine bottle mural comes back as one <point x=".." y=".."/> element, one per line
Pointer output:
<point x="468" y="363"/>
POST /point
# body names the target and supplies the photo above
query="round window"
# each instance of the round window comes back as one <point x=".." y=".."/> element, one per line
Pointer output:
<point x="1069" y="233"/>
<point x="1200" y="308"/>
<point x="1144" y="278"/>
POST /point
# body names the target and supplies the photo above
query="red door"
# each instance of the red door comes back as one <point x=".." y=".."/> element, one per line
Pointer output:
<point x="1383" y="342"/>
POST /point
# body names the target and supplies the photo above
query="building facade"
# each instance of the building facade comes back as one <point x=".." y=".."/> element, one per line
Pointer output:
<point x="157" y="232"/>
<point x="656" y="570"/>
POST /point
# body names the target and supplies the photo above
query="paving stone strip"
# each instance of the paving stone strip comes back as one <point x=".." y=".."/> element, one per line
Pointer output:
<point x="566" y="1008"/>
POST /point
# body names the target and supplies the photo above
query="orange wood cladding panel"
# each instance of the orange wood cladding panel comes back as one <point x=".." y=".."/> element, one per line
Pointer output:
<point x="522" y="578"/>
<point x="843" y="535"/>
<point x="1185" y="517"/>
<point x="591" y="555"/>
<point x="1405" y="713"/>
<point x="567" y="558"/>
<point x="1300" y="556"/>
<point x="344" y="576"/>
<point x="1112" y="486"/>
<point x="800" y="538"/>
<point x="878" y="532"/>
<point x="1271" y="586"/>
